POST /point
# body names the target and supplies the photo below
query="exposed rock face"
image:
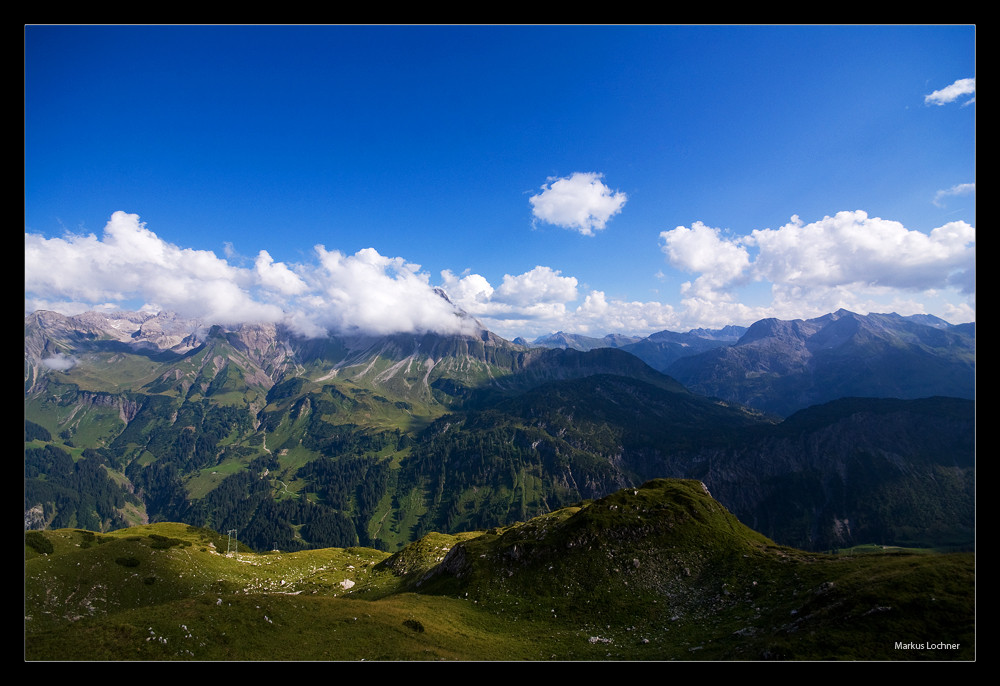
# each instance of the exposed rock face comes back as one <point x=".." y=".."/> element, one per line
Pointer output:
<point x="34" y="518"/>
<point x="128" y="407"/>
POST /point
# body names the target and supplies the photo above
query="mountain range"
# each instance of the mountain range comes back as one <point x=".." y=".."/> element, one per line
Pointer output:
<point x="783" y="366"/>
<point x="378" y="440"/>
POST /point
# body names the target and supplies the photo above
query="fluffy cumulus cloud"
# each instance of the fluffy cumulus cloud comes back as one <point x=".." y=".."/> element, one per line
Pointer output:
<point x="472" y="289"/>
<point x="278" y="276"/>
<point x="848" y="260"/>
<point x="130" y="266"/>
<point x="540" y="285"/>
<point x="957" y="90"/>
<point x="129" y="262"/>
<point x="852" y="248"/>
<point x="519" y="302"/>
<point x="722" y="262"/>
<point x="370" y="293"/>
<point x="59" y="362"/>
<point x="542" y="300"/>
<point x="581" y="202"/>
<point x="597" y="315"/>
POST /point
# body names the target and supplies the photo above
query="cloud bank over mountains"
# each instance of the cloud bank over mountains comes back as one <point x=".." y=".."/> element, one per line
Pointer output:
<point x="365" y="292"/>
<point x="847" y="260"/>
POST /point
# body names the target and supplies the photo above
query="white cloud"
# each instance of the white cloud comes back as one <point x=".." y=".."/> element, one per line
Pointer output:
<point x="130" y="262"/>
<point x="540" y="285"/>
<point x="852" y="248"/>
<point x="60" y="362"/>
<point x="598" y="316"/>
<point x="542" y="301"/>
<point x="952" y="93"/>
<point x="960" y="189"/>
<point x="521" y="304"/>
<point x="365" y="292"/>
<point x="849" y="260"/>
<point x="470" y="291"/>
<point x="581" y="202"/>
<point x="371" y="293"/>
<point x="962" y="312"/>
<point x="698" y="311"/>
<point x="277" y="276"/>
<point x="722" y="262"/>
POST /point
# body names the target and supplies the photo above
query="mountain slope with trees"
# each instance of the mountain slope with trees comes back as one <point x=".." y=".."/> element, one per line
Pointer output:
<point x="376" y="441"/>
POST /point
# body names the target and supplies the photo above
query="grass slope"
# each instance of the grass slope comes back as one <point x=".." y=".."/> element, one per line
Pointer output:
<point x="660" y="572"/>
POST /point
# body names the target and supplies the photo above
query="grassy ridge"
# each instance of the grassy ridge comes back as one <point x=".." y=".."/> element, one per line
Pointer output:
<point x="661" y="572"/>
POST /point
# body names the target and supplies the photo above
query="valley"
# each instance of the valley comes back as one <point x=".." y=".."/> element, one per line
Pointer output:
<point x="497" y="343"/>
<point x="392" y="447"/>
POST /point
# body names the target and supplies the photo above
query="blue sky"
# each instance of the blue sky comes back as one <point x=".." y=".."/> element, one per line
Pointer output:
<point x="586" y="179"/>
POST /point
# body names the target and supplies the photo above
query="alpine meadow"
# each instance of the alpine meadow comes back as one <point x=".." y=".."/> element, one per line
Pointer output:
<point x="500" y="343"/>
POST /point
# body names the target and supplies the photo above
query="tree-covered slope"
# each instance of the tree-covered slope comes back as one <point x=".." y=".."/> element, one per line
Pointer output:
<point x="339" y="441"/>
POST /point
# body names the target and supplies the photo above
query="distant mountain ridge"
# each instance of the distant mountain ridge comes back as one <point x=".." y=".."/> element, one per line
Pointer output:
<point x="583" y="343"/>
<point x="660" y="350"/>
<point x="782" y="366"/>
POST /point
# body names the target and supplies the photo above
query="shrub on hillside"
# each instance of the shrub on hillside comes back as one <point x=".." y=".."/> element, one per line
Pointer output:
<point x="37" y="541"/>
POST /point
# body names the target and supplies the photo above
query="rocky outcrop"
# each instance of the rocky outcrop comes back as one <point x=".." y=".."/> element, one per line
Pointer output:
<point x="128" y="407"/>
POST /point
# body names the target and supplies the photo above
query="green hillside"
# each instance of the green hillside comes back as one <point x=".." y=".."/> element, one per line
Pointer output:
<point x="654" y="573"/>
